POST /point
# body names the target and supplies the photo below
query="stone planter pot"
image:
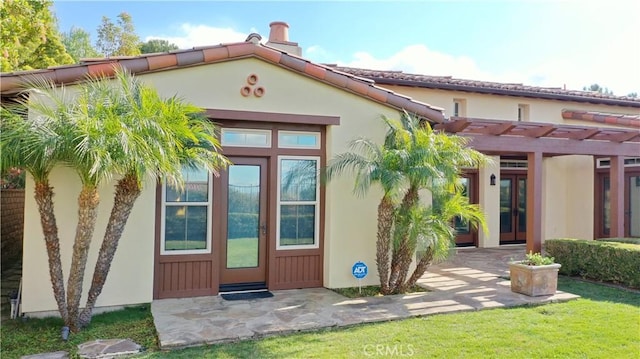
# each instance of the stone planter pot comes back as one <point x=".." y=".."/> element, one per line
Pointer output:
<point x="534" y="280"/>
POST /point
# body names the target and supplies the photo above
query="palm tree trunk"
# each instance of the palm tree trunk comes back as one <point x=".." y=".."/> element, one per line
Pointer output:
<point x="88" y="201"/>
<point x="127" y="191"/>
<point x="385" y="222"/>
<point x="421" y="267"/>
<point x="401" y="259"/>
<point x="44" y="198"/>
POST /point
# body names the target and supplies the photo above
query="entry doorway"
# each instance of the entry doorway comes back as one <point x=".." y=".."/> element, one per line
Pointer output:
<point x="513" y="208"/>
<point x="631" y="204"/>
<point x="243" y="247"/>
<point x="466" y="235"/>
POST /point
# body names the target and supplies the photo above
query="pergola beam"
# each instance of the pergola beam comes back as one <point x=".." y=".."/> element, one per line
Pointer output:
<point x="534" y="202"/>
<point x="552" y="146"/>
<point x="453" y="126"/>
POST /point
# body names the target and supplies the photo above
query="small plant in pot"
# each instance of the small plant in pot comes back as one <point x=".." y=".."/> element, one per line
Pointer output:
<point x="536" y="275"/>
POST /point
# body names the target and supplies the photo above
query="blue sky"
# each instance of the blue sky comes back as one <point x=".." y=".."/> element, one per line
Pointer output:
<point x="542" y="43"/>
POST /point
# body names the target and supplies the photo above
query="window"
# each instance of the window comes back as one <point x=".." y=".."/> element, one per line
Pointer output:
<point x="523" y="112"/>
<point x="186" y="214"/>
<point x="298" y="202"/>
<point x="459" y="107"/>
<point x="298" y="139"/>
<point x="241" y="137"/>
<point x="628" y="162"/>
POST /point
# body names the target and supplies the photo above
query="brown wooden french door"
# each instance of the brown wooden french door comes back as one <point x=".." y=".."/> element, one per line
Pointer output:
<point x="465" y="234"/>
<point x="243" y="247"/>
<point x="631" y="204"/>
<point x="513" y="208"/>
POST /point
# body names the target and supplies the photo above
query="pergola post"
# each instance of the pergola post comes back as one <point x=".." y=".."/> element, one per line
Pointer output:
<point x="616" y="195"/>
<point x="534" y="202"/>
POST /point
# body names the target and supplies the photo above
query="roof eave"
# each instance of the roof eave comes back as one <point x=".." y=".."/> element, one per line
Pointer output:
<point x="506" y="92"/>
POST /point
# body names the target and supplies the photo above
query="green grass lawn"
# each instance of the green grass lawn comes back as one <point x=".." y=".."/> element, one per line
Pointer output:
<point x="605" y="323"/>
<point x="242" y="252"/>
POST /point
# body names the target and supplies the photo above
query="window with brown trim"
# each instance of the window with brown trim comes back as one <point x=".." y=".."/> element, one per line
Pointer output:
<point x="186" y="213"/>
<point x="298" y="216"/>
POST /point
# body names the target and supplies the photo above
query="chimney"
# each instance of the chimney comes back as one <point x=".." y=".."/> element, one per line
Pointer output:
<point x="279" y="38"/>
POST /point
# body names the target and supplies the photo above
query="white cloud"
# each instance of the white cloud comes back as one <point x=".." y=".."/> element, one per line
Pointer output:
<point x="421" y="60"/>
<point x="620" y="74"/>
<point x="189" y="35"/>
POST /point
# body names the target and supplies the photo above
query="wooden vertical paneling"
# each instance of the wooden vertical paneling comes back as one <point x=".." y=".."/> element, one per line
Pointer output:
<point x="182" y="279"/>
<point x="297" y="270"/>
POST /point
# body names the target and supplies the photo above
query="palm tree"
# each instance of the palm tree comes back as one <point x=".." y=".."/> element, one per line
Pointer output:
<point x="157" y="138"/>
<point x="373" y="164"/>
<point x="412" y="158"/>
<point x="38" y="144"/>
<point x="432" y="161"/>
<point x="108" y="128"/>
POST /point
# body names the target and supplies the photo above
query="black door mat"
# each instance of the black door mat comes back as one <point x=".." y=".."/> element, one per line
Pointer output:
<point x="247" y="295"/>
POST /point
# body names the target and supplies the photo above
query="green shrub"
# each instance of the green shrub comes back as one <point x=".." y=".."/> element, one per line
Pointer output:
<point x="597" y="260"/>
<point x="537" y="259"/>
<point x="621" y="240"/>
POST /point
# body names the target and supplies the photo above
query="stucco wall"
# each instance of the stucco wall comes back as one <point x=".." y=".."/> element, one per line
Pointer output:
<point x="350" y="221"/>
<point x="568" y="181"/>
<point x="506" y="107"/>
<point x="130" y="278"/>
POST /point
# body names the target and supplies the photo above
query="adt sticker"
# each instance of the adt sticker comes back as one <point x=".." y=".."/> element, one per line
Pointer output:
<point x="359" y="270"/>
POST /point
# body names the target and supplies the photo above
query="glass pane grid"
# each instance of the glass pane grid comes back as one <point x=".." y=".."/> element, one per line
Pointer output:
<point x="186" y="213"/>
<point x="185" y="227"/>
<point x="288" y="139"/>
<point x="298" y="202"/>
<point x="246" y="138"/>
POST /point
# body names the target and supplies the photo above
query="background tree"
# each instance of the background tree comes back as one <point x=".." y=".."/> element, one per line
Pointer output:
<point x="632" y="94"/>
<point x="29" y="36"/>
<point x="133" y="134"/>
<point x="78" y="44"/>
<point x="157" y="45"/>
<point x="118" y="39"/>
<point x="597" y="88"/>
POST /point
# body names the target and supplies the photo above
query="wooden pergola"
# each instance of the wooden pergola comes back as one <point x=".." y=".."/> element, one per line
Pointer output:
<point x="537" y="140"/>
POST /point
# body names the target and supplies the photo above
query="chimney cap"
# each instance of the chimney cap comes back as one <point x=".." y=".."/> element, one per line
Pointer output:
<point x="279" y="32"/>
<point x="274" y="23"/>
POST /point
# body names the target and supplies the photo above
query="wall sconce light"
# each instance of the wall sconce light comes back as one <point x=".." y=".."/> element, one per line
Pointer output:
<point x="492" y="180"/>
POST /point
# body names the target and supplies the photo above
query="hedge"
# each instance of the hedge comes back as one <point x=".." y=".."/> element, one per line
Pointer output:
<point x="597" y="260"/>
<point x="621" y="240"/>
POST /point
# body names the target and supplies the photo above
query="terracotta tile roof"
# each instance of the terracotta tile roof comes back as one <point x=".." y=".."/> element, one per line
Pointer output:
<point x="602" y="117"/>
<point x="11" y="83"/>
<point x="509" y="89"/>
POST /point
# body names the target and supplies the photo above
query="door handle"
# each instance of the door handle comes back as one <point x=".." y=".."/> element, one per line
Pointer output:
<point x="263" y="228"/>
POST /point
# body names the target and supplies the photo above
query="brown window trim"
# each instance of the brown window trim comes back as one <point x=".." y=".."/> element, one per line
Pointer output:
<point x="219" y="114"/>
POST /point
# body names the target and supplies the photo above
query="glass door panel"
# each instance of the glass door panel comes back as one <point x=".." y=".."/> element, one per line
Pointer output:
<point x="631" y="205"/>
<point x="522" y="208"/>
<point x="633" y="211"/>
<point x="513" y="208"/>
<point x="243" y="216"/>
<point x="463" y="227"/>
<point x="244" y="233"/>
<point x="506" y="203"/>
<point x="606" y="208"/>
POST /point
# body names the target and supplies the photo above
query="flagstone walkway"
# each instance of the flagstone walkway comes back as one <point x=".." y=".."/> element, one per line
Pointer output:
<point x="473" y="279"/>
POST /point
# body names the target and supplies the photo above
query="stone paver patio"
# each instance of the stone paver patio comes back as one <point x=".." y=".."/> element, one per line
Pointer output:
<point x="473" y="279"/>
